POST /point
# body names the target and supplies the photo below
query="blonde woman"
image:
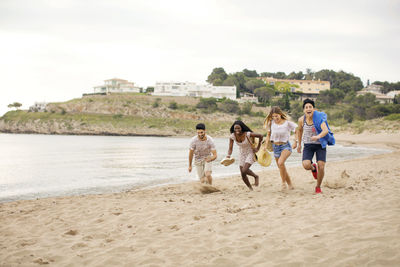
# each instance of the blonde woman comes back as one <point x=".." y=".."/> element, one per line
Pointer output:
<point x="279" y="128"/>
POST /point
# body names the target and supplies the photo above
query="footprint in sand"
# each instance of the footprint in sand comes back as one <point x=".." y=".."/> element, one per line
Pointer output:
<point x="78" y="245"/>
<point x="344" y="175"/>
<point x="41" y="261"/>
<point x="71" y="232"/>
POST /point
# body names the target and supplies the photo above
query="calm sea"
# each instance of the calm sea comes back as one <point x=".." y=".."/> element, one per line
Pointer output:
<point x="37" y="166"/>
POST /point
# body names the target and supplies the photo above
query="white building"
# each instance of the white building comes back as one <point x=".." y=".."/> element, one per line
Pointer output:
<point x="393" y="94"/>
<point x="376" y="90"/>
<point x="116" y="86"/>
<point x="38" y="107"/>
<point x="192" y="89"/>
<point x="247" y="97"/>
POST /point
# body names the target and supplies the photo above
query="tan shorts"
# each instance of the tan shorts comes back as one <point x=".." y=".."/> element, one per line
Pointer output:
<point x="202" y="167"/>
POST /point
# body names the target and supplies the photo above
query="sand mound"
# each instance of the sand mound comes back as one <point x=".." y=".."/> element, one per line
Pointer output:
<point x="207" y="189"/>
<point x="335" y="182"/>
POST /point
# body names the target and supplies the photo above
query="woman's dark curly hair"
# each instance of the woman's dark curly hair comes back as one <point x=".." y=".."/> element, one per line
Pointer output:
<point x="241" y="124"/>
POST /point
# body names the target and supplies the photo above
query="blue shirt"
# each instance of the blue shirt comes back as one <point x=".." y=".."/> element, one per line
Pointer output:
<point x="318" y="119"/>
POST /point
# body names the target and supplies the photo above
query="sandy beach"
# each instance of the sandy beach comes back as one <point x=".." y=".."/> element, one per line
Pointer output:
<point x="355" y="222"/>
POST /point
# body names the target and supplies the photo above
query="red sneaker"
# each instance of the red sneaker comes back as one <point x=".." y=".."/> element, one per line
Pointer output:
<point x="318" y="190"/>
<point x="315" y="171"/>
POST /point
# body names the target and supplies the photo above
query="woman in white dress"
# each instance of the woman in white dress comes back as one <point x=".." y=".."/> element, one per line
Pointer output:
<point x="243" y="136"/>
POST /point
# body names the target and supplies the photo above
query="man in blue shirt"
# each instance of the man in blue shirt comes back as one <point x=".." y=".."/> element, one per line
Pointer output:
<point x="313" y="130"/>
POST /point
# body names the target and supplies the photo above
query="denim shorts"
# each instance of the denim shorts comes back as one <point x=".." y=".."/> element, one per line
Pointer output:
<point x="310" y="149"/>
<point x="279" y="148"/>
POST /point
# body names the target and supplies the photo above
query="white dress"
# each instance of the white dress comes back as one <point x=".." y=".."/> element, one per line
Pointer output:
<point x="246" y="153"/>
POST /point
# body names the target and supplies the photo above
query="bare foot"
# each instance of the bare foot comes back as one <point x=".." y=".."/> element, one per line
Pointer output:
<point x="283" y="187"/>
<point x="290" y="187"/>
<point x="256" y="180"/>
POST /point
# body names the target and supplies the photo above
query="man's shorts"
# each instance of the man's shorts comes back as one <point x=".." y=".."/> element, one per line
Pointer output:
<point x="310" y="149"/>
<point x="279" y="148"/>
<point x="202" y="167"/>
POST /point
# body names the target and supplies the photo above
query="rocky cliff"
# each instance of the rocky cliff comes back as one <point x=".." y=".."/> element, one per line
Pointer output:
<point x="122" y="114"/>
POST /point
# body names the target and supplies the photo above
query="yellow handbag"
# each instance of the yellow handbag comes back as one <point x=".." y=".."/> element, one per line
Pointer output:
<point x="262" y="157"/>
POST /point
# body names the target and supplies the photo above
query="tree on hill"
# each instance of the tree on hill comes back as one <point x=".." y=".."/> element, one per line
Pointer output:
<point x="387" y="87"/>
<point x="15" y="105"/>
<point x="217" y="76"/>
<point x="265" y="94"/>
<point x="283" y="102"/>
<point x="309" y="74"/>
<point x="276" y="75"/>
<point x="296" y="110"/>
<point x="280" y="75"/>
<point x="267" y="74"/>
<point x="253" y="84"/>
<point x="362" y="103"/>
<point x="295" y="76"/>
<point x="344" y="81"/>
<point x="238" y="79"/>
<point x="284" y="87"/>
<point x="331" y="96"/>
<point x="250" y="73"/>
<point x="396" y="99"/>
<point x="149" y="89"/>
<point x="245" y="81"/>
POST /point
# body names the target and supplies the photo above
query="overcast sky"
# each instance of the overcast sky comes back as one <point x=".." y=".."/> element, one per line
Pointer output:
<point x="55" y="50"/>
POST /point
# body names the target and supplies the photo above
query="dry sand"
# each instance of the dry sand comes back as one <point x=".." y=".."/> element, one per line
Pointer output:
<point x="355" y="222"/>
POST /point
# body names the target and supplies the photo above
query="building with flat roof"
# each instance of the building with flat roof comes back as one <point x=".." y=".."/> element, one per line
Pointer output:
<point x="38" y="107"/>
<point x="393" y="94"/>
<point x="247" y="97"/>
<point x="116" y="85"/>
<point x="194" y="90"/>
<point x="377" y="91"/>
<point x="306" y="88"/>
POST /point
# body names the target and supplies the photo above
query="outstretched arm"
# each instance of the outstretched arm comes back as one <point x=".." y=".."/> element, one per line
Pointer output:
<point x="299" y="133"/>
<point x="260" y="138"/>
<point x="295" y="138"/>
<point x="191" y="152"/>
<point x="230" y="148"/>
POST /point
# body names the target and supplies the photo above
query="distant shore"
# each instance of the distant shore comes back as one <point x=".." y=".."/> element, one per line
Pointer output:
<point x="89" y="134"/>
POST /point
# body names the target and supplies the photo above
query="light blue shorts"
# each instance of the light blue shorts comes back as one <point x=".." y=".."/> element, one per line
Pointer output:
<point x="279" y="148"/>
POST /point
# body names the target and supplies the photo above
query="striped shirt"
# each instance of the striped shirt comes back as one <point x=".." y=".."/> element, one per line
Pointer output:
<point x="308" y="132"/>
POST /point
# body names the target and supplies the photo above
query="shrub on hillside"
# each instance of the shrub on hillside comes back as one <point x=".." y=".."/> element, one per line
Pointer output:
<point x="173" y="105"/>
<point x="393" y="117"/>
<point x="156" y="103"/>
<point x="246" y="109"/>
<point x="296" y="110"/>
<point x="209" y="104"/>
<point x="229" y="106"/>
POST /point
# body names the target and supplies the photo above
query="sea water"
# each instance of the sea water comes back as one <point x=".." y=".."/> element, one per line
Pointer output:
<point x="37" y="166"/>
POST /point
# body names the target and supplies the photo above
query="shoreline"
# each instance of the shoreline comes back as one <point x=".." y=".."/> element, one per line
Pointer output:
<point x="354" y="222"/>
<point x="106" y="190"/>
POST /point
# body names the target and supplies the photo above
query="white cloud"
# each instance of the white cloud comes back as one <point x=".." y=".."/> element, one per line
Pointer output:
<point x="57" y="50"/>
